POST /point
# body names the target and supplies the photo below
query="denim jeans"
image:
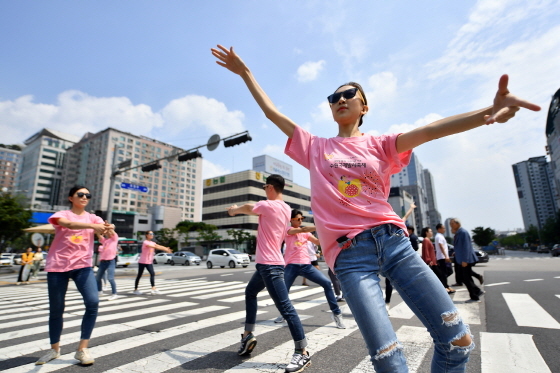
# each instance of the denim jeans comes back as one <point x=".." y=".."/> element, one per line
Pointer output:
<point x="109" y="267"/>
<point x="272" y="277"/>
<point x="387" y="251"/>
<point x="312" y="274"/>
<point x="150" y="268"/>
<point x="57" y="283"/>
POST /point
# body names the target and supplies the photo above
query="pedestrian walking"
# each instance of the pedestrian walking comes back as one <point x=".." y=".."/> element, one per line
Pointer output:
<point x="465" y="258"/>
<point x="274" y="215"/>
<point x="336" y="286"/>
<point x="429" y="256"/>
<point x="442" y="256"/>
<point x="298" y="263"/>
<point x="70" y="257"/>
<point x="107" y="254"/>
<point x="26" y="266"/>
<point x="146" y="262"/>
<point x="37" y="259"/>
<point x="361" y="236"/>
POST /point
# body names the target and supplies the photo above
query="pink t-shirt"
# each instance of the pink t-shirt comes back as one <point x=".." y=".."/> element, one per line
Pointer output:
<point x="147" y="255"/>
<point x="109" y="249"/>
<point x="350" y="183"/>
<point x="297" y="250"/>
<point x="273" y="218"/>
<point x="71" y="248"/>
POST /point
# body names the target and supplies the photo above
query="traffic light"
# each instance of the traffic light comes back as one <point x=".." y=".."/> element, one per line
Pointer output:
<point x="237" y="140"/>
<point x="151" y="167"/>
<point x="189" y="156"/>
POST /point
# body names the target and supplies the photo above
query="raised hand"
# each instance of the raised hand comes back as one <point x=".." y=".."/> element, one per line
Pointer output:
<point x="229" y="59"/>
<point x="231" y="210"/>
<point x="506" y="104"/>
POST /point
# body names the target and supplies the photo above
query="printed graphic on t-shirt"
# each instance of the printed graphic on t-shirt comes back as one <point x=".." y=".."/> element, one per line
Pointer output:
<point x="366" y="183"/>
<point x="298" y="243"/>
<point x="76" y="238"/>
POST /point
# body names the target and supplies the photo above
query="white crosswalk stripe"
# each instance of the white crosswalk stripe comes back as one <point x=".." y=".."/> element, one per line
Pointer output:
<point x="127" y="322"/>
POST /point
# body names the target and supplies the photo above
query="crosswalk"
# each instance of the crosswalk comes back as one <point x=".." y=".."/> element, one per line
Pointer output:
<point x="195" y="319"/>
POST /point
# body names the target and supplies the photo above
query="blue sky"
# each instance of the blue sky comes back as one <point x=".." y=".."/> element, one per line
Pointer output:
<point x="145" y="67"/>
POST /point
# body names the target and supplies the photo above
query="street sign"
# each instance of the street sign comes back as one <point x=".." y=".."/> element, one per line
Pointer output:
<point x="38" y="239"/>
<point x="139" y="188"/>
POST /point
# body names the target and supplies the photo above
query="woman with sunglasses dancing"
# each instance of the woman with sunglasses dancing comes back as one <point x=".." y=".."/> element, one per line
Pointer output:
<point x="70" y="257"/>
<point x="362" y="237"/>
<point x="146" y="262"/>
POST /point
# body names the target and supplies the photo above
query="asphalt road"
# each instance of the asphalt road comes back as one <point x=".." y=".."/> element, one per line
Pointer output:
<point x="195" y="325"/>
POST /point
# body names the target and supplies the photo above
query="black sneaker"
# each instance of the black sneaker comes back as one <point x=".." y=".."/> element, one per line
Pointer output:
<point x="247" y="344"/>
<point x="299" y="362"/>
<point x="481" y="279"/>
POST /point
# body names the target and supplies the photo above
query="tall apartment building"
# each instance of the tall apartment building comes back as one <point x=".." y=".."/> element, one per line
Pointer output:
<point x="535" y="189"/>
<point x="411" y="179"/>
<point x="434" y="217"/>
<point x="244" y="187"/>
<point x="177" y="184"/>
<point x="553" y="142"/>
<point x="400" y="200"/>
<point x="10" y="163"/>
<point x="42" y="165"/>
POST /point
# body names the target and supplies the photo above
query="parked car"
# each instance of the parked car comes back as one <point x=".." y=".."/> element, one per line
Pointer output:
<point x="164" y="258"/>
<point x="543" y="249"/>
<point x="482" y="255"/>
<point x="6" y="260"/>
<point x="185" y="258"/>
<point x="227" y="257"/>
<point x="555" y="251"/>
<point x="17" y="259"/>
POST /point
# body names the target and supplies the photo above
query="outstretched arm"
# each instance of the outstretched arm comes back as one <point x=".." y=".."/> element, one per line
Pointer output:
<point x="246" y="209"/>
<point x="231" y="61"/>
<point x="412" y="207"/>
<point x="504" y="108"/>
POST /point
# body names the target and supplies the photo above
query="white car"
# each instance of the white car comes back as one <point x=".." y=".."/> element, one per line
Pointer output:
<point x="6" y="260"/>
<point x="227" y="257"/>
<point x="164" y="258"/>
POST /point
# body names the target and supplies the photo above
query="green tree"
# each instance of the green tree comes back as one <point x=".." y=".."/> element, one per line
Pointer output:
<point x="239" y="236"/>
<point x="207" y="233"/>
<point x="532" y="235"/>
<point x="550" y="232"/>
<point x="514" y="241"/>
<point x="186" y="227"/>
<point x="14" y="216"/>
<point x="483" y="236"/>
<point x="166" y="237"/>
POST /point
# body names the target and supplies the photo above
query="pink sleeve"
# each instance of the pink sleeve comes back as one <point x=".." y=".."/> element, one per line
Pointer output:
<point x="102" y="240"/>
<point x="150" y="243"/>
<point x="259" y="207"/>
<point x="397" y="160"/>
<point x="298" y="146"/>
<point x="53" y="219"/>
<point x="96" y="219"/>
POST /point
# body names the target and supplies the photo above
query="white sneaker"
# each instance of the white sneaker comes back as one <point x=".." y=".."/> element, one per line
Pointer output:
<point x="84" y="357"/>
<point x="155" y="292"/>
<point x="137" y="292"/>
<point x="338" y="321"/>
<point x="279" y="319"/>
<point x="113" y="297"/>
<point x="50" y="355"/>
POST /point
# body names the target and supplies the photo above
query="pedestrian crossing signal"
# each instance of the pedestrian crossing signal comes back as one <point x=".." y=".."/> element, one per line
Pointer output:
<point x="189" y="156"/>
<point x="151" y="167"/>
<point x="237" y="140"/>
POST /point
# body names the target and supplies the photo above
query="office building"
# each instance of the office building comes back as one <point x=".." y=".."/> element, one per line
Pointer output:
<point x="10" y="163"/>
<point x="176" y="185"/>
<point x="400" y="200"/>
<point x="434" y="217"/>
<point x="42" y="166"/>
<point x="536" y="191"/>
<point x="553" y="143"/>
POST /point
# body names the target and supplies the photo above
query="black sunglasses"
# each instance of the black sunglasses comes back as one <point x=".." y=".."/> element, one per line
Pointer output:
<point x="81" y="194"/>
<point x="348" y="94"/>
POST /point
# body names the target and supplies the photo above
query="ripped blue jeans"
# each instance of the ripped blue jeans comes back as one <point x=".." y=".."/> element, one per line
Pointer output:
<point x="386" y="250"/>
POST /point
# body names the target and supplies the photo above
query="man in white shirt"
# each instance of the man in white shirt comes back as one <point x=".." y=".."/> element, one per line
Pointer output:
<point x="442" y="254"/>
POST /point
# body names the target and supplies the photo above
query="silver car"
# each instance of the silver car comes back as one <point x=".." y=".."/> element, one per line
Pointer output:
<point x="184" y="258"/>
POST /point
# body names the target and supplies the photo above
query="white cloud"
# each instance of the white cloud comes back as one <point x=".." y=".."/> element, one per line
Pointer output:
<point x="407" y="127"/>
<point x="196" y="112"/>
<point x="275" y="151"/>
<point x="210" y="169"/>
<point x="310" y="70"/>
<point x="76" y="113"/>
<point x="381" y="89"/>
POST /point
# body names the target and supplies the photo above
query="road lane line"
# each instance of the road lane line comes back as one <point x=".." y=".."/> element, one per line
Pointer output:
<point x="511" y="353"/>
<point x="527" y="312"/>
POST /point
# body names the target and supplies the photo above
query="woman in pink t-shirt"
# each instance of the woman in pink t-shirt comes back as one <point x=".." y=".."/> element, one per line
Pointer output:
<point x="361" y="236"/>
<point x="145" y="262"/>
<point x="70" y="257"/>
<point x="107" y="261"/>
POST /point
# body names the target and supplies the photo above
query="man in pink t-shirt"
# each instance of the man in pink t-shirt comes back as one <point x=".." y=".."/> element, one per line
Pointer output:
<point x="274" y="215"/>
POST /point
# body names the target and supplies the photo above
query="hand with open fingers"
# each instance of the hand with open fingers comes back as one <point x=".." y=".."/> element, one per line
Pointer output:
<point x="231" y="209"/>
<point x="506" y="104"/>
<point x="229" y="59"/>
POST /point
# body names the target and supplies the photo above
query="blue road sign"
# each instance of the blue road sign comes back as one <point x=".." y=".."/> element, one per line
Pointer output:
<point x="139" y="188"/>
